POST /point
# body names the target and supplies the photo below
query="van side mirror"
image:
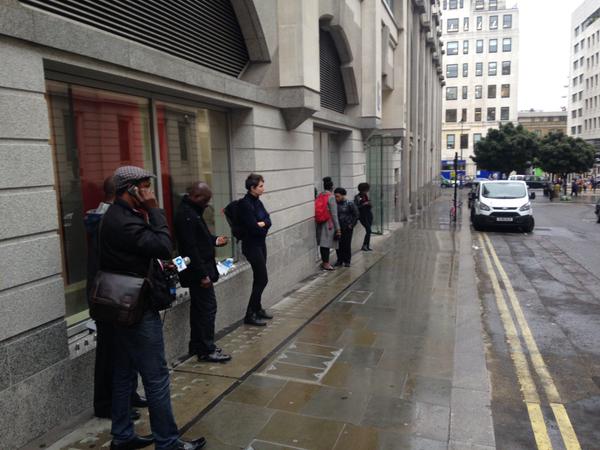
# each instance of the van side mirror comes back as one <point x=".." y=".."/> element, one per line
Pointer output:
<point x="531" y="195"/>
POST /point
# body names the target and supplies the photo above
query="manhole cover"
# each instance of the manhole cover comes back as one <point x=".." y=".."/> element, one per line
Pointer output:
<point x="358" y="297"/>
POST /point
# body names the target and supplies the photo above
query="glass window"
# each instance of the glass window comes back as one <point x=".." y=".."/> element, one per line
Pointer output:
<point x="452" y="25"/>
<point x="493" y="5"/>
<point x="93" y="133"/>
<point x="493" y="22"/>
<point x="463" y="115"/>
<point x="452" y="48"/>
<point x="451" y="115"/>
<point x="479" y="4"/>
<point x="476" y="137"/>
<point x="450" y="141"/>
<point x="504" y="113"/>
<point x="462" y="4"/>
<point x="505" y="67"/>
<point x="193" y="146"/>
<point x="465" y="92"/>
<point x="479" y="69"/>
<point x="491" y="114"/>
<point x="478" y="91"/>
<point x="445" y="4"/>
<point x="465" y="47"/>
<point x="465" y="70"/>
<point x="451" y="93"/>
<point x="505" y="90"/>
<point x="464" y="141"/>
<point x="451" y="70"/>
<point x="465" y="24"/>
<point x="492" y="68"/>
<point x="453" y="4"/>
<point x="493" y="45"/>
<point x="507" y="44"/>
<point x="491" y="91"/>
<point x="477" y="114"/>
<point x="507" y="21"/>
<point x="479" y="23"/>
<point x="479" y="46"/>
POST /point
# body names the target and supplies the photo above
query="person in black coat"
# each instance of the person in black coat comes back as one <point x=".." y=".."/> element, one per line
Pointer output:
<point x="365" y="212"/>
<point x="255" y="221"/>
<point x="197" y="242"/>
<point x="347" y="216"/>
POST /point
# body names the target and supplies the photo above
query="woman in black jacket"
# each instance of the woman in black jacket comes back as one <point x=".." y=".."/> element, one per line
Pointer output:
<point x="348" y="216"/>
<point x="256" y="222"/>
<point x="363" y="203"/>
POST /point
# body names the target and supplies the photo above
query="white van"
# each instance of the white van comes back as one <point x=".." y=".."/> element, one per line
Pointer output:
<point x="502" y="203"/>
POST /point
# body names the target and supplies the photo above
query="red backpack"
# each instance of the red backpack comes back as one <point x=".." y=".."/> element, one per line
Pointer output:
<point x="322" y="214"/>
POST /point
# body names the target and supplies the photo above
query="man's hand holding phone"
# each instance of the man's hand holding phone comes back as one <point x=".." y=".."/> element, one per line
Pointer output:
<point x="222" y="240"/>
<point x="145" y="197"/>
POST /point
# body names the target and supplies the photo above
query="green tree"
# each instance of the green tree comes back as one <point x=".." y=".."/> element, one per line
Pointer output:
<point x="506" y="149"/>
<point x="561" y="155"/>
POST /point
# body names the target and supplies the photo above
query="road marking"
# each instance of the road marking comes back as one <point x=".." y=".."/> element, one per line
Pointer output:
<point x="560" y="413"/>
<point x="530" y="394"/>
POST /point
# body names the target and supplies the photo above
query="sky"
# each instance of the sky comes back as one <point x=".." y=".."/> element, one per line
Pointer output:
<point x="544" y="54"/>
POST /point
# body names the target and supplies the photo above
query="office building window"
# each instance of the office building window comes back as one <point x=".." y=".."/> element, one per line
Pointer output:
<point x="450" y="141"/>
<point x="507" y="22"/>
<point x="478" y="91"/>
<point x="477" y="115"/>
<point x="465" y="47"/>
<point x="451" y="115"/>
<point x="464" y="141"/>
<point x="465" y="70"/>
<point x="505" y="91"/>
<point x="476" y="138"/>
<point x="452" y="47"/>
<point x="493" y="45"/>
<point x="507" y="44"/>
<point x="451" y="93"/>
<point x="453" y="4"/>
<point x="580" y="95"/>
<point x="505" y="67"/>
<point x="491" y="114"/>
<point x="493" y="6"/>
<point x="492" y="68"/>
<point x="452" y="25"/>
<point x="479" y="23"/>
<point x="479" y="69"/>
<point x="451" y="70"/>
<point x="466" y="24"/>
<point x="493" y="22"/>
<point x="504" y="113"/>
<point x="491" y="91"/>
<point x="479" y="5"/>
<point x="445" y="4"/>
<point x="574" y="114"/>
<point x="463" y="115"/>
<point x="578" y="129"/>
<point x="573" y="130"/>
<point x="479" y="46"/>
<point x="465" y="92"/>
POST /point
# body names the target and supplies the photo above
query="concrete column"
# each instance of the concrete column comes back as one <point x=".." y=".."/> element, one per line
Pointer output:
<point x="371" y="102"/>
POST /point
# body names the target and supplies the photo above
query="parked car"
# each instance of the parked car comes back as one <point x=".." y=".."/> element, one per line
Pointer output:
<point x="502" y="203"/>
<point x="535" y="182"/>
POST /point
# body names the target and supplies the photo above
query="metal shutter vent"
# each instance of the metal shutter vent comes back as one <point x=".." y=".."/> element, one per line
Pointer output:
<point x="333" y="95"/>
<point x="203" y="31"/>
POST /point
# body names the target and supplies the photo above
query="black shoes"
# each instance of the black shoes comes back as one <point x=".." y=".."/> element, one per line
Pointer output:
<point x="346" y="264"/>
<point x="134" y="414"/>
<point x="217" y="357"/>
<point x="364" y="248"/>
<point x="254" y="319"/>
<point x="262" y="314"/>
<point x="192" y="445"/>
<point x="136" y="442"/>
<point x="137" y="401"/>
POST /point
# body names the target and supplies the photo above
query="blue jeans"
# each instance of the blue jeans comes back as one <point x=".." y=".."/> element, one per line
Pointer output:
<point x="141" y="348"/>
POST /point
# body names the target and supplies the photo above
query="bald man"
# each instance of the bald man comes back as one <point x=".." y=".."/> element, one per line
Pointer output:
<point x="196" y="241"/>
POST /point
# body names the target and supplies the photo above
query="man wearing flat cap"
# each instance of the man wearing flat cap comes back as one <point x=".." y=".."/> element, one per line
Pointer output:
<point x="134" y="231"/>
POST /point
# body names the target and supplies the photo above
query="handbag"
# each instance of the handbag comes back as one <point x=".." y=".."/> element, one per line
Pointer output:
<point x="118" y="298"/>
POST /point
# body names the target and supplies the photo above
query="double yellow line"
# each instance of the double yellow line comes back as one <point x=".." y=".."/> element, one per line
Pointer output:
<point x="514" y="332"/>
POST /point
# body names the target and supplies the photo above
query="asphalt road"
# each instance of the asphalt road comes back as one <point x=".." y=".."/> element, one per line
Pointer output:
<point x="540" y="295"/>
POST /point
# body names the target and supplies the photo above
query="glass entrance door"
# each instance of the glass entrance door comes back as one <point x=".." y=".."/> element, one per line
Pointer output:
<point x="381" y="178"/>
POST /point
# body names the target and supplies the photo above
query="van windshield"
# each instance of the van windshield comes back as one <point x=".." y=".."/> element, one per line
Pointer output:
<point x="503" y="190"/>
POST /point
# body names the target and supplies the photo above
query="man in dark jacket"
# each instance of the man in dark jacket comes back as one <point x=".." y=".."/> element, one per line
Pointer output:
<point x="348" y="216"/>
<point x="133" y="233"/>
<point x="196" y="241"/>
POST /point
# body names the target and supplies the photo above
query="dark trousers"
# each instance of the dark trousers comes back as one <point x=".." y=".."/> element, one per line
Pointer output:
<point x="325" y="252"/>
<point x="256" y="254"/>
<point x="103" y="370"/>
<point x="203" y="312"/>
<point x="142" y="347"/>
<point x="366" y="221"/>
<point x="344" y="252"/>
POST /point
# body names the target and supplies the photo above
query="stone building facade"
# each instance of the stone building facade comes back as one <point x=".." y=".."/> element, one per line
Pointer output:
<point x="294" y="90"/>
<point x="543" y="122"/>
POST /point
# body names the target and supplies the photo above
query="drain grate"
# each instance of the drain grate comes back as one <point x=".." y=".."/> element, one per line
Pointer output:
<point x="357" y="297"/>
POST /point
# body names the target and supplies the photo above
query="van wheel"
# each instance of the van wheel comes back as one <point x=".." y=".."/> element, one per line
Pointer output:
<point x="530" y="226"/>
<point x="476" y="223"/>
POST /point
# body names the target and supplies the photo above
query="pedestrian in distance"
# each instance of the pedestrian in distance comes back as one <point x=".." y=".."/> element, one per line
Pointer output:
<point x="103" y="366"/>
<point x="255" y="223"/>
<point x="365" y="211"/>
<point x="328" y="225"/>
<point x="196" y="241"/>
<point x="133" y="234"/>
<point x="574" y="188"/>
<point x="348" y="217"/>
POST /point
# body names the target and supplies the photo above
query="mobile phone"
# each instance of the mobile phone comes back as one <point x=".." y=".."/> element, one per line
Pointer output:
<point x="133" y="190"/>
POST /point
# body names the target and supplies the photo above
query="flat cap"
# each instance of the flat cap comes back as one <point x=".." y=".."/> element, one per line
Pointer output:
<point x="126" y="175"/>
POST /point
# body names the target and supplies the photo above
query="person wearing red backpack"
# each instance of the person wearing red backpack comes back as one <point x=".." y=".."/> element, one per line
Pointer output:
<point x="328" y="225"/>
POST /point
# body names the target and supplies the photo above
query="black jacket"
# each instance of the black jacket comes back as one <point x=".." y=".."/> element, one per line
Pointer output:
<point x="128" y="242"/>
<point x="363" y="203"/>
<point x="195" y="240"/>
<point x="347" y="214"/>
<point x="252" y="211"/>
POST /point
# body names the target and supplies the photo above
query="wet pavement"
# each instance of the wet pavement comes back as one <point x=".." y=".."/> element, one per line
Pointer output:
<point x="387" y="354"/>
